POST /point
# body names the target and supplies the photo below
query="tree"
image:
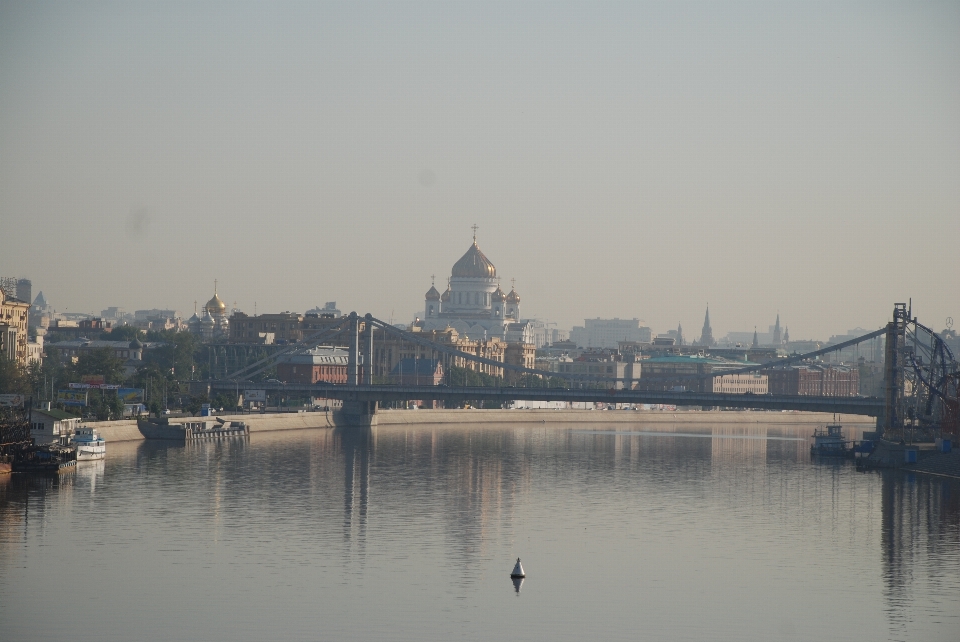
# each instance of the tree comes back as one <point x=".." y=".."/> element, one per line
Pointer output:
<point x="225" y="400"/>
<point x="13" y="377"/>
<point x="196" y="402"/>
<point x="105" y="405"/>
<point x="100" y="361"/>
<point x="180" y="355"/>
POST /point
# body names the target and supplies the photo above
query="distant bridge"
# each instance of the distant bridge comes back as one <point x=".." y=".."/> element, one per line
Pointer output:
<point x="921" y="379"/>
<point x="869" y="406"/>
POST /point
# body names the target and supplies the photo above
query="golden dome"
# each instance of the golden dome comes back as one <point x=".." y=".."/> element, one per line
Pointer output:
<point x="474" y="265"/>
<point x="498" y="295"/>
<point x="513" y="297"/>
<point x="432" y="294"/>
<point x="446" y="295"/>
<point x="215" y="305"/>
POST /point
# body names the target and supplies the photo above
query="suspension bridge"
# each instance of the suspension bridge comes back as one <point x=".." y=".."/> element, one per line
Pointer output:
<point x="921" y="379"/>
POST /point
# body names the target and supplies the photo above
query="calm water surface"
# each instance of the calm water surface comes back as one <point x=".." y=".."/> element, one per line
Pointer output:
<point x="409" y="533"/>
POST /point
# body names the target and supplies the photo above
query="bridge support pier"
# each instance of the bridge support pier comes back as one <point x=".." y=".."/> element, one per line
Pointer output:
<point x="893" y="370"/>
<point x="357" y="414"/>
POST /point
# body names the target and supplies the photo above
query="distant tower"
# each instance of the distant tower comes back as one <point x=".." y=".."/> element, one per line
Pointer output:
<point x="679" y="335"/>
<point x="24" y="290"/>
<point x="777" y="339"/>
<point x="432" y="298"/>
<point x="786" y="336"/>
<point x="513" y="303"/>
<point x="756" y="343"/>
<point x="706" y="335"/>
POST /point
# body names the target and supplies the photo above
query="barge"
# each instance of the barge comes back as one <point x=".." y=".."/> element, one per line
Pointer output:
<point x="192" y="430"/>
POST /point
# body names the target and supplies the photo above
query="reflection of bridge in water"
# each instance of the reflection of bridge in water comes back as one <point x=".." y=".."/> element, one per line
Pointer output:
<point x="921" y="379"/>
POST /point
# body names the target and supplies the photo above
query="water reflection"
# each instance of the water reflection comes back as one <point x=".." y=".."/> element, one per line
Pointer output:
<point x="920" y="543"/>
<point x="355" y="445"/>
<point x="89" y="473"/>
<point x="642" y="516"/>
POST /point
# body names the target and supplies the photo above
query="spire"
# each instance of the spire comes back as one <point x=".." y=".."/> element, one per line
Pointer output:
<point x="706" y="336"/>
<point x="776" y="332"/>
<point x="756" y="344"/>
<point x="679" y="334"/>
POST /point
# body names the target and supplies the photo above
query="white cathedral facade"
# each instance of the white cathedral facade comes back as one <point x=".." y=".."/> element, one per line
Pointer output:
<point x="474" y="304"/>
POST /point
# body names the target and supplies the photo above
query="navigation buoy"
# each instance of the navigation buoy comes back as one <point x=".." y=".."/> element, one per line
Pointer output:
<point x="518" y="570"/>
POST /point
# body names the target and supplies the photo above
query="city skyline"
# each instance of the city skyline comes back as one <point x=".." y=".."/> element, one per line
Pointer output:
<point x="620" y="161"/>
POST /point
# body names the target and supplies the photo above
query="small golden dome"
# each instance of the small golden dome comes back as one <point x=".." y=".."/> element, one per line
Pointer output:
<point x="215" y="305"/>
<point x="445" y="296"/>
<point x="513" y="297"/>
<point x="474" y="265"/>
<point x="498" y="295"/>
<point x="432" y="294"/>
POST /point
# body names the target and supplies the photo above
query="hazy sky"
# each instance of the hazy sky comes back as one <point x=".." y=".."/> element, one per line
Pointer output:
<point x="628" y="159"/>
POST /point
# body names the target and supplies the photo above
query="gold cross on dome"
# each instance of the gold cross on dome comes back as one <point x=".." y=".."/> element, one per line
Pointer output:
<point x="433" y="279"/>
<point x="513" y="284"/>
<point x="475" y="232"/>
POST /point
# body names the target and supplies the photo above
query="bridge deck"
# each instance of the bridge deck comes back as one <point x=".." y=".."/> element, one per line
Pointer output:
<point x="868" y="406"/>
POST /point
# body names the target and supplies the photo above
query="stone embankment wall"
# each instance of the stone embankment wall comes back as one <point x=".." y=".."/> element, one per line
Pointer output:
<point x="126" y="430"/>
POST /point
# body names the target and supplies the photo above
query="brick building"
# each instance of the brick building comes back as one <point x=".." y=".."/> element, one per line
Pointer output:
<point x="324" y="363"/>
<point x="814" y="380"/>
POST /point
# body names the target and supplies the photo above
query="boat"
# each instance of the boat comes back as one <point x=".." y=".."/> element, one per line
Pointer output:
<point x="90" y="445"/>
<point x="192" y="429"/>
<point x="48" y="458"/>
<point x="829" y="441"/>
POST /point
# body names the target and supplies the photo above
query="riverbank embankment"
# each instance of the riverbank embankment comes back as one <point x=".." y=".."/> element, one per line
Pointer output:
<point x="127" y="430"/>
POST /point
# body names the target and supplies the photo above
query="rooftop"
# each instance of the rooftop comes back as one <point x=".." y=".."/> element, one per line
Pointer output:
<point x="56" y="414"/>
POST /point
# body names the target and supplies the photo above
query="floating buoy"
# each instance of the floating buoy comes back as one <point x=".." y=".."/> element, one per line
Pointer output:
<point x="518" y="570"/>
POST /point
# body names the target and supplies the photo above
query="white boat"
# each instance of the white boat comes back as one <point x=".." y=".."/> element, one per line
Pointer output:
<point x="90" y="445"/>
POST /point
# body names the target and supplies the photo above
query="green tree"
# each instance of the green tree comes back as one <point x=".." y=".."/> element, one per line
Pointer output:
<point x="195" y="403"/>
<point x="100" y="361"/>
<point x="105" y="405"/>
<point x="180" y="355"/>
<point x="226" y="400"/>
<point x="13" y="377"/>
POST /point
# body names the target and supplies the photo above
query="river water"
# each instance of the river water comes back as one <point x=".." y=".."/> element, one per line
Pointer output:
<point x="410" y="533"/>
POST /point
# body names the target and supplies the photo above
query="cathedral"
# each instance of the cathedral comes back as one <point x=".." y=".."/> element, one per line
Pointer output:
<point x="474" y="304"/>
<point x="214" y="323"/>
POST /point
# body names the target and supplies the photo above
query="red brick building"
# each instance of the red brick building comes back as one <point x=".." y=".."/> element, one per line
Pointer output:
<point x="814" y="380"/>
<point x="324" y="363"/>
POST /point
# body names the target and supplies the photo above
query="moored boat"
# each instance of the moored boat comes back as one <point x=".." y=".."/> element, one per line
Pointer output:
<point x="49" y="458"/>
<point x="90" y="445"/>
<point x="829" y="441"/>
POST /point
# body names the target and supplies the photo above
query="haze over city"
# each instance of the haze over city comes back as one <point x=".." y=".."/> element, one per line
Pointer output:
<point x="620" y="160"/>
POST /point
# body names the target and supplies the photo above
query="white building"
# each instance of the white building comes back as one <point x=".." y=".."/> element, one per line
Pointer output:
<point x="608" y="333"/>
<point x="49" y="425"/>
<point x="749" y="383"/>
<point x="474" y="304"/>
